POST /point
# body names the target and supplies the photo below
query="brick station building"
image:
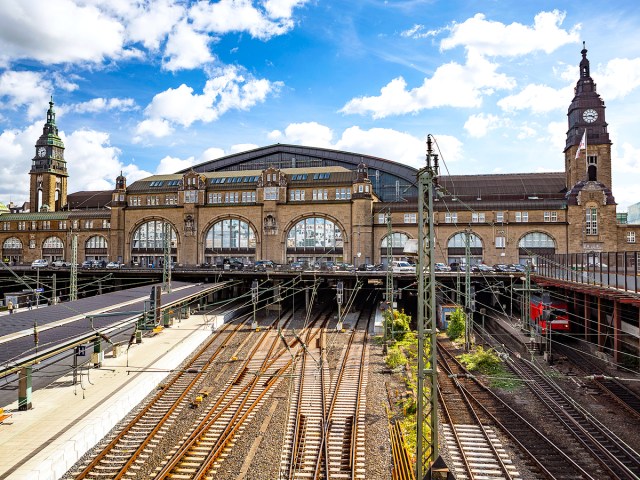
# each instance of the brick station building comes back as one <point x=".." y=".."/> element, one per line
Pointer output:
<point x="290" y="203"/>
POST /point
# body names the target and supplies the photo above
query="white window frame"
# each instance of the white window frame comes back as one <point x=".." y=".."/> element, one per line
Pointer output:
<point x="451" y="217"/>
<point x="499" y="217"/>
<point x="190" y="196"/>
<point x="410" y="218"/>
<point x="631" y="236"/>
<point x="501" y="242"/>
<point x="591" y="224"/>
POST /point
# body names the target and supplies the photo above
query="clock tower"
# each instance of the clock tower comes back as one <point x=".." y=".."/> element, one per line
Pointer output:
<point x="586" y="114"/>
<point x="48" y="172"/>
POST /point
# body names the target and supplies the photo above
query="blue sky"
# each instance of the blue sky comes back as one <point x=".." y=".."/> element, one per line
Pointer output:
<point x="150" y="87"/>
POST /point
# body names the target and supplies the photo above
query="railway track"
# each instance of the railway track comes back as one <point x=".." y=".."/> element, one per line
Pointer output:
<point x="151" y="422"/>
<point x="544" y="458"/>
<point x="616" y="390"/>
<point x="325" y="430"/>
<point x="620" y="460"/>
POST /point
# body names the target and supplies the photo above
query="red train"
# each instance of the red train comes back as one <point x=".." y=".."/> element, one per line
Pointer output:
<point x="555" y="311"/>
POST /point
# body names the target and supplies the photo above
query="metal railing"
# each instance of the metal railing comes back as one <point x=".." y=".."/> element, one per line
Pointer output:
<point x="618" y="270"/>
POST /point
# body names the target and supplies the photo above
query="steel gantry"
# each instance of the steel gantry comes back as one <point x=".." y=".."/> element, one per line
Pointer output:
<point x="427" y="408"/>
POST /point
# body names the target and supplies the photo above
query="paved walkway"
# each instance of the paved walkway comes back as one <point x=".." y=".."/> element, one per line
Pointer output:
<point x="66" y="420"/>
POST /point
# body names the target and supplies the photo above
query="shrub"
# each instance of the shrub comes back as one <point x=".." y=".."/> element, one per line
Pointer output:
<point x="457" y="324"/>
<point x="395" y="358"/>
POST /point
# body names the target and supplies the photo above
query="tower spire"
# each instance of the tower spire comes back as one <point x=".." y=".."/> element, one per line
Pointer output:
<point x="584" y="63"/>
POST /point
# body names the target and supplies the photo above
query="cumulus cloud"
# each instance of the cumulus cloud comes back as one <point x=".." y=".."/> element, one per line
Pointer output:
<point x="24" y="89"/>
<point x="186" y="48"/>
<point x="538" y="99"/>
<point x="381" y="142"/>
<point x="149" y="23"/>
<point x="618" y="78"/>
<point x="479" y="125"/>
<point x="157" y="128"/>
<point x="230" y="89"/>
<point x="211" y="153"/>
<point x="556" y="135"/>
<point x="493" y="38"/>
<point x="172" y="164"/>
<point x="103" y="104"/>
<point x="452" y="85"/>
<point x="228" y="16"/>
<point x="66" y="32"/>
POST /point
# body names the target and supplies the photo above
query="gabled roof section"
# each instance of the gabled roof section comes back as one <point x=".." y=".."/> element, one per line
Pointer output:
<point x="97" y="199"/>
<point x="507" y="186"/>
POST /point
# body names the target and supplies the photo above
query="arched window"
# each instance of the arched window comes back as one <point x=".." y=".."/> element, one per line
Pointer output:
<point x="96" y="242"/>
<point x="398" y="241"/>
<point x="53" y="249"/>
<point x="533" y="244"/>
<point x="456" y="248"/>
<point x="230" y="238"/>
<point x="53" y="242"/>
<point x="147" y="245"/>
<point x="314" y="239"/>
<point x="12" y="243"/>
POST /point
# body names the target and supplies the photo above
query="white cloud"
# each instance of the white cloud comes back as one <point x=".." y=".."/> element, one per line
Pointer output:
<point x="211" y="153"/>
<point x="538" y="99"/>
<point x="557" y="136"/>
<point x="479" y="125"/>
<point x="452" y="85"/>
<point x="493" y="38"/>
<point x="229" y="90"/>
<point x="17" y="147"/>
<point x="618" y="78"/>
<point x="102" y="104"/>
<point x="418" y="31"/>
<point x="186" y="48"/>
<point x="66" y="32"/>
<point x="243" y="147"/>
<point x="149" y="23"/>
<point x="172" y="164"/>
<point x="275" y="135"/>
<point x="526" y="132"/>
<point x="228" y="16"/>
<point x="626" y="159"/>
<point x="157" y="128"/>
<point x="309" y="133"/>
<point x="20" y="89"/>
<point x="65" y="82"/>
<point x="282" y="8"/>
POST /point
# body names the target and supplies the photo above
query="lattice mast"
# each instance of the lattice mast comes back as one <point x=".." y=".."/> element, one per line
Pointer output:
<point x="389" y="292"/>
<point x="427" y="411"/>
<point x="73" y="276"/>
<point x="166" y="264"/>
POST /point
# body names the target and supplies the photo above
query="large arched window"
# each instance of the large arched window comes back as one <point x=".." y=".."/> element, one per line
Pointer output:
<point x="12" y="250"/>
<point x="53" y="249"/>
<point x="147" y="245"/>
<point x="96" y="248"/>
<point x="535" y="243"/>
<point x="314" y="239"/>
<point x="230" y="238"/>
<point x="398" y="241"/>
<point x="456" y="248"/>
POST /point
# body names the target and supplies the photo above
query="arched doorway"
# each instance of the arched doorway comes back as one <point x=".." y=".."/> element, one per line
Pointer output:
<point x="232" y="239"/>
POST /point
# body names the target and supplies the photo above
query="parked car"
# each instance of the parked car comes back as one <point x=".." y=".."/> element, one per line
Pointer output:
<point x="400" y="266"/>
<point x="458" y="267"/>
<point x="39" y="263"/>
<point x="329" y="266"/>
<point x="296" y="266"/>
<point x="263" y="265"/>
<point x="501" y="267"/>
<point x="442" y="267"/>
<point x="482" y="268"/>
<point x="518" y="267"/>
<point x="345" y="267"/>
<point x="366" y="267"/>
<point x="89" y="264"/>
<point x="111" y="265"/>
<point x="61" y="264"/>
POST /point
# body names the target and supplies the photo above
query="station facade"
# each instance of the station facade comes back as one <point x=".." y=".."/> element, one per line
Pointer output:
<point x="291" y="203"/>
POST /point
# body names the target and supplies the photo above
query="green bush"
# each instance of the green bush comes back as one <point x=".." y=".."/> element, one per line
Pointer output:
<point x="483" y="361"/>
<point x="457" y="324"/>
<point x="395" y="358"/>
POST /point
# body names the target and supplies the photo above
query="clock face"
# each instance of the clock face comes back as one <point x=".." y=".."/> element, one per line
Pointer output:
<point x="42" y="152"/>
<point x="590" y="115"/>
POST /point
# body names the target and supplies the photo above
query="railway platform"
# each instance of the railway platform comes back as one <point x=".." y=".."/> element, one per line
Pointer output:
<point x="67" y="420"/>
<point x="513" y="327"/>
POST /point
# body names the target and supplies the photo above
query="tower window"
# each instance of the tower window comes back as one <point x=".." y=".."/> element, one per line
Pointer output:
<point x="592" y="160"/>
<point x="592" y="221"/>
